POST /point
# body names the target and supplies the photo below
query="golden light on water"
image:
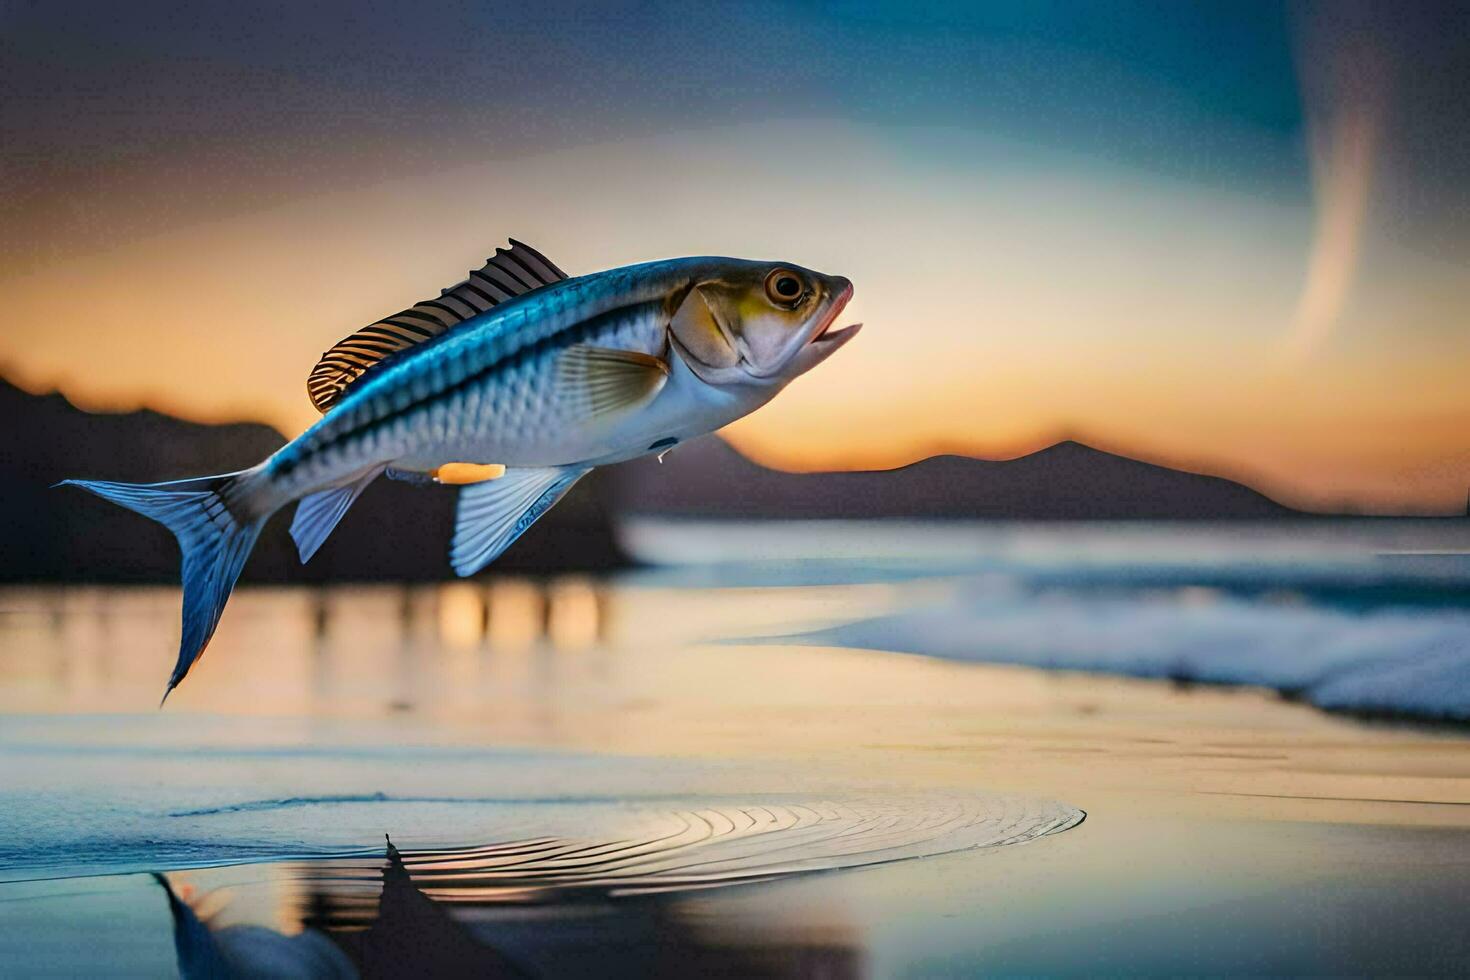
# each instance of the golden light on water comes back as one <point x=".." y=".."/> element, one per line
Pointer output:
<point x="515" y="616"/>
<point x="658" y="684"/>
<point x="461" y="615"/>
<point x="573" y="617"/>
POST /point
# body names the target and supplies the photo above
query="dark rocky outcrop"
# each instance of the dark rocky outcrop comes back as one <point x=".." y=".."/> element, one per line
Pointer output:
<point x="396" y="531"/>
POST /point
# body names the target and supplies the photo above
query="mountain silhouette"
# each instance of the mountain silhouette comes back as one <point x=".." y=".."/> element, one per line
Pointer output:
<point x="394" y="532"/>
<point x="1067" y="481"/>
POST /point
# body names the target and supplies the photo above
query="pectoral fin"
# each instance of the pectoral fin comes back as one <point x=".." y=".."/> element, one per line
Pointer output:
<point x="460" y="474"/>
<point x="492" y="515"/>
<point x="600" y="380"/>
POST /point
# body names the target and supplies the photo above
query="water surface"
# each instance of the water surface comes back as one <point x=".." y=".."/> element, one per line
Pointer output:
<point x="733" y="764"/>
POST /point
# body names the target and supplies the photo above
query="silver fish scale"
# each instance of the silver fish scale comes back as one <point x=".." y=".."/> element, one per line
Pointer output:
<point x="523" y="406"/>
<point x="422" y="405"/>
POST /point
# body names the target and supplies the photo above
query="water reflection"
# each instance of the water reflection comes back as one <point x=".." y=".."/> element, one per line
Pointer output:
<point x="567" y="662"/>
<point x="503" y="665"/>
<point x="564" y="614"/>
<point x="346" y="921"/>
<point x="362" y="647"/>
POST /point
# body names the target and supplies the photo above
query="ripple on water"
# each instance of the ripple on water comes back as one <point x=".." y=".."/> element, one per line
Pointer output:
<point x="708" y="846"/>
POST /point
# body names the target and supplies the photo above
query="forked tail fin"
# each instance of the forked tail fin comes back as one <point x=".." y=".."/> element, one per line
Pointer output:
<point x="215" y="540"/>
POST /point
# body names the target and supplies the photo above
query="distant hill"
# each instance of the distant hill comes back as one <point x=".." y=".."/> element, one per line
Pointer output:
<point x="1067" y="481"/>
<point x="395" y="531"/>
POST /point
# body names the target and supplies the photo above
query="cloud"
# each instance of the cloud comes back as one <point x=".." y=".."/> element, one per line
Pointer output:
<point x="1344" y="76"/>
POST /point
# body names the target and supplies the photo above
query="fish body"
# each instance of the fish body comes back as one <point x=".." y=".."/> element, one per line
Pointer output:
<point x="491" y="389"/>
<point x="519" y="373"/>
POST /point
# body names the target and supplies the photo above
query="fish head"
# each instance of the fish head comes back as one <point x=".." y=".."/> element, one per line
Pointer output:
<point x="760" y="323"/>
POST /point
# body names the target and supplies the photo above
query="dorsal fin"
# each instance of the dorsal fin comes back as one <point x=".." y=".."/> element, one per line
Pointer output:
<point x="508" y="273"/>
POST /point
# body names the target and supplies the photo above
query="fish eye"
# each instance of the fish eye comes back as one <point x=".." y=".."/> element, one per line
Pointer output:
<point x="784" y="287"/>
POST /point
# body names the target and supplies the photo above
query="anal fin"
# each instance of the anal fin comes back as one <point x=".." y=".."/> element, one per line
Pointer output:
<point x="318" y="513"/>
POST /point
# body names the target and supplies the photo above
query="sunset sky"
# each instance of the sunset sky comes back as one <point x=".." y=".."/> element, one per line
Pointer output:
<point x="1229" y="236"/>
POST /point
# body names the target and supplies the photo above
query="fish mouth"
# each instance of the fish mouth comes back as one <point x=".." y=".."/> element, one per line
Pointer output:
<point x="825" y="336"/>
<point x="835" y="338"/>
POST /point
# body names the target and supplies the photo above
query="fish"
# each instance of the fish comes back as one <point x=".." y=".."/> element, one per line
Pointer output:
<point x="512" y="385"/>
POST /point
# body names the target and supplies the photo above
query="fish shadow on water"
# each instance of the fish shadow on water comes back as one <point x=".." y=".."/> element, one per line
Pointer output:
<point x="407" y="933"/>
<point x="410" y="936"/>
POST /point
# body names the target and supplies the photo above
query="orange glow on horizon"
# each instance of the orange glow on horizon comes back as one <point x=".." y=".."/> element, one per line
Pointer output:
<point x="1001" y="316"/>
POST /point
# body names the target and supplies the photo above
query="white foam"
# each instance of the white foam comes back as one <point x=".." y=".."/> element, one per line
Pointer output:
<point x="1392" y="659"/>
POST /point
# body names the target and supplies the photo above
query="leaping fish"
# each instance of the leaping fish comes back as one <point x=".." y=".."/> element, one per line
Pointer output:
<point x="513" y="384"/>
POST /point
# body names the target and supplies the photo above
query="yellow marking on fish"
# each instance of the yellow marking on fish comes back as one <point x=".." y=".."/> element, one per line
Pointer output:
<point x="458" y="474"/>
<point x="695" y="327"/>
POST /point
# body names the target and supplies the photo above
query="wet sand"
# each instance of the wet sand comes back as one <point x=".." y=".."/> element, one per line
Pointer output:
<point x="503" y="734"/>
